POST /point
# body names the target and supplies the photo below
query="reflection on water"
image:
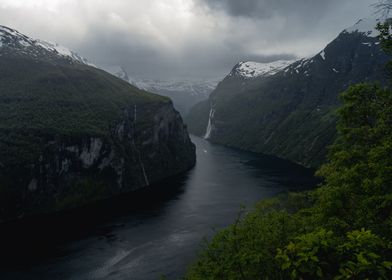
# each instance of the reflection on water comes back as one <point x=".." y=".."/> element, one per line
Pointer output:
<point x="154" y="232"/>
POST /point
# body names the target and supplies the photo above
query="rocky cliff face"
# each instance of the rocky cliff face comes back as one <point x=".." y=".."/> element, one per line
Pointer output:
<point x="290" y="113"/>
<point x="71" y="134"/>
<point x="141" y="149"/>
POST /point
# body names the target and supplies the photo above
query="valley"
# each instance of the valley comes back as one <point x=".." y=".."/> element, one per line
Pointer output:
<point x="195" y="139"/>
<point x="290" y="112"/>
<point x="160" y="232"/>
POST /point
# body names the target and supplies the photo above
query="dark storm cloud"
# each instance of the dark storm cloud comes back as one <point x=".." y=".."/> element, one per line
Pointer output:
<point x="194" y="38"/>
<point x="144" y="57"/>
<point x="268" y="8"/>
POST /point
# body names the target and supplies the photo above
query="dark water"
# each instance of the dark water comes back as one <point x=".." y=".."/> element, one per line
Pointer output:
<point x="154" y="233"/>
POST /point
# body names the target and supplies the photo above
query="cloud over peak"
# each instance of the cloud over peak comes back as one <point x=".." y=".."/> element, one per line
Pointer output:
<point x="193" y="38"/>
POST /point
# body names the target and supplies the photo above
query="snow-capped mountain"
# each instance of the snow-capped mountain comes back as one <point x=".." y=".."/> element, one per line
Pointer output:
<point x="12" y="40"/>
<point x="290" y="112"/>
<point x="184" y="93"/>
<point x="251" y="69"/>
<point x="62" y="120"/>
<point x="365" y="27"/>
<point x="194" y="88"/>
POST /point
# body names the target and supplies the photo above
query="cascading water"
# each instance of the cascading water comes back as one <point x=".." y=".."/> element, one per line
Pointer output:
<point x="209" y="126"/>
<point x="138" y="150"/>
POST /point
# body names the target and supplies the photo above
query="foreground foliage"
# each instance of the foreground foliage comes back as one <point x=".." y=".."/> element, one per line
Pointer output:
<point x="343" y="230"/>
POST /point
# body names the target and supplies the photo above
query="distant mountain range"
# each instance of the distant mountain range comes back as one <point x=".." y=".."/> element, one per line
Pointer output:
<point x="184" y="93"/>
<point x="72" y="134"/>
<point x="288" y="109"/>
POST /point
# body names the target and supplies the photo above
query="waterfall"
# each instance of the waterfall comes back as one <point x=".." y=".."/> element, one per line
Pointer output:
<point x="209" y="126"/>
<point x="138" y="150"/>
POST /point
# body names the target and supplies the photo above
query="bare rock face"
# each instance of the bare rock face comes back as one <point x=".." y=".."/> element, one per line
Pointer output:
<point x="146" y="146"/>
<point x="71" y="134"/>
<point x="290" y="112"/>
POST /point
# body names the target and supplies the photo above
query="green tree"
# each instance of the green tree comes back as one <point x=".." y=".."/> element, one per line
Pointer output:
<point x="358" y="176"/>
<point x="342" y="230"/>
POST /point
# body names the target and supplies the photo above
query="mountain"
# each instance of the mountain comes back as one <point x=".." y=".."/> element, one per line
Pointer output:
<point x="71" y="134"/>
<point x="12" y="40"/>
<point x="290" y="113"/>
<point x="119" y="72"/>
<point x="252" y="70"/>
<point x="184" y="93"/>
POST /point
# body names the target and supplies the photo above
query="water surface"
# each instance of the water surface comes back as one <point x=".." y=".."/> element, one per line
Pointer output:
<point x="157" y="232"/>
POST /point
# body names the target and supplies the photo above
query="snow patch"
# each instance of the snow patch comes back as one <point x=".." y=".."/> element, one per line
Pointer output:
<point x="322" y="54"/>
<point x="62" y="51"/>
<point x="34" y="47"/>
<point x="252" y="69"/>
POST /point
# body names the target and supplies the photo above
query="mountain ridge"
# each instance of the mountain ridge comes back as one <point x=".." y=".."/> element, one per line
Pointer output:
<point x="252" y="69"/>
<point x="35" y="47"/>
<point x="184" y="92"/>
<point x="291" y="114"/>
<point x="72" y="134"/>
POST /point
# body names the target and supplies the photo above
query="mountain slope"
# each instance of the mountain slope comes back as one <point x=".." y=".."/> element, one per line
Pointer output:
<point x="251" y="70"/>
<point x="290" y="114"/>
<point x="71" y="134"/>
<point x="14" y="41"/>
<point x="184" y="93"/>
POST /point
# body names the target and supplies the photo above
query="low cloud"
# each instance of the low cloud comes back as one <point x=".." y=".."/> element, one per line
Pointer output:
<point x="184" y="38"/>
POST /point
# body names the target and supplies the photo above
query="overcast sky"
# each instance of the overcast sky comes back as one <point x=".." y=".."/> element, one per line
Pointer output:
<point x="184" y="38"/>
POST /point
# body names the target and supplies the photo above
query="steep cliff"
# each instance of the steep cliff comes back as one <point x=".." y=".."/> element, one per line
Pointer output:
<point x="71" y="134"/>
<point x="291" y="113"/>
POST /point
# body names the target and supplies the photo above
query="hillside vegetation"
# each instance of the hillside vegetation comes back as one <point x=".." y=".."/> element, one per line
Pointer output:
<point x="72" y="134"/>
<point x="343" y="229"/>
<point x="66" y="100"/>
<point x="291" y="113"/>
